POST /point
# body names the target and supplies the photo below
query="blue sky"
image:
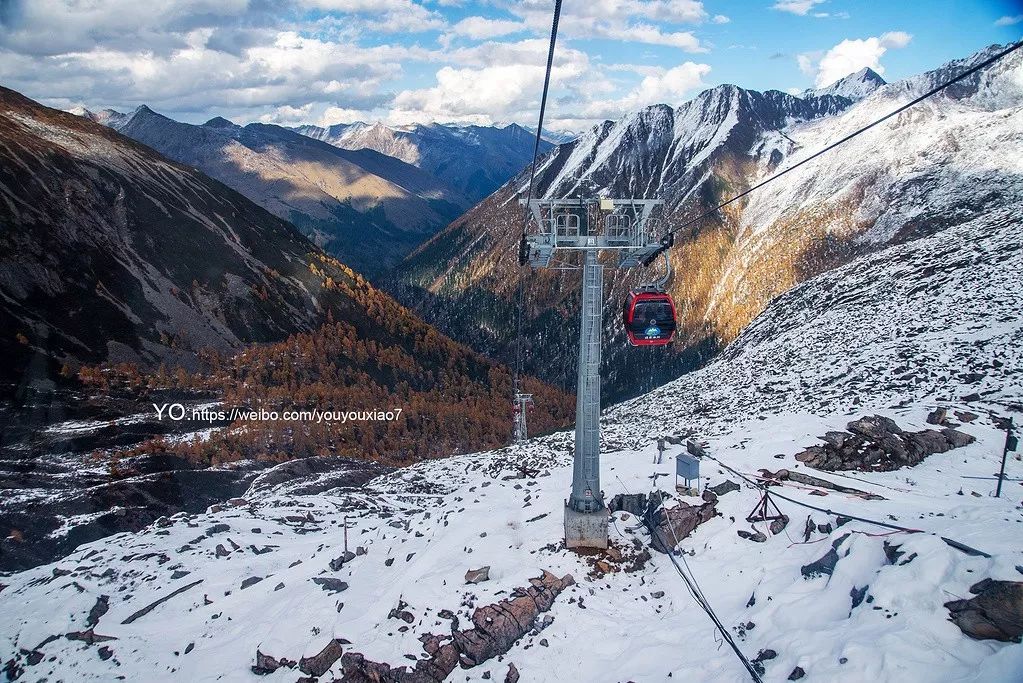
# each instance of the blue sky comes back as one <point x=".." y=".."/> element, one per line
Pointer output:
<point x="404" y="61"/>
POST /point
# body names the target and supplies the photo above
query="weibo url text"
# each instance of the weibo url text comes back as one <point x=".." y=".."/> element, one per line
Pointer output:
<point x="178" y="412"/>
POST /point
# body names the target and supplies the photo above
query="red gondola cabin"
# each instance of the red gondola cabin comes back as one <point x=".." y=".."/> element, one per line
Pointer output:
<point x="649" y="318"/>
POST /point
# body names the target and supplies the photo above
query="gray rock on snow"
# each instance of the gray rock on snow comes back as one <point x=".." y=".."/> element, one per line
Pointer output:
<point x="330" y="584"/>
<point x="996" y="613"/>
<point x="478" y="575"/>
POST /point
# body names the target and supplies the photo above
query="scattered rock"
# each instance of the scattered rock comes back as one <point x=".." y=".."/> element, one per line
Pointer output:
<point x="777" y="525"/>
<point x="88" y="636"/>
<point x="495" y="629"/>
<point x="763" y="656"/>
<point x="478" y="575"/>
<point x="966" y="416"/>
<point x="957" y="439"/>
<point x="329" y="584"/>
<point x="826" y="564"/>
<point x="857" y="595"/>
<point x="265" y="664"/>
<point x="995" y="613"/>
<point x="101" y="607"/>
<point x="513" y="674"/>
<point x="221" y="551"/>
<point x="153" y="605"/>
<point x="938" y="417"/>
<point x="338" y="562"/>
<point x="755" y="536"/>
<point x="797" y="673"/>
<point x="217" y="529"/>
<point x="251" y="581"/>
<point x="319" y="664"/>
<point x="727" y="486"/>
<point x="105" y="653"/>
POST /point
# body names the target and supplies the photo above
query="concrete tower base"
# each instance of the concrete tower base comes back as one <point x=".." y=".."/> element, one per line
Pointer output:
<point x="585" y="529"/>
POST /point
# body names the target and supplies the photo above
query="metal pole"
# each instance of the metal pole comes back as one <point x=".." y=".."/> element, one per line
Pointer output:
<point x="586" y="474"/>
<point x="1005" y="452"/>
<point x="585" y="514"/>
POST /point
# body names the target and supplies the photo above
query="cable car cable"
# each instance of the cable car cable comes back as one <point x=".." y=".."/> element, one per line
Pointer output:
<point x="520" y="294"/>
<point x="951" y="542"/>
<point x="701" y="600"/>
<point x="969" y="72"/>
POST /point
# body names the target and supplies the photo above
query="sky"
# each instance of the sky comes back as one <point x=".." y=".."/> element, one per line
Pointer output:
<point x="323" y="62"/>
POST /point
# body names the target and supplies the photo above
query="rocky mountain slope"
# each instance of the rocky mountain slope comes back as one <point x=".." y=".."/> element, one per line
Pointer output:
<point x="364" y="207"/>
<point x="475" y="160"/>
<point x="938" y="164"/>
<point x="116" y="266"/>
<point x="265" y="585"/>
<point x="114" y="253"/>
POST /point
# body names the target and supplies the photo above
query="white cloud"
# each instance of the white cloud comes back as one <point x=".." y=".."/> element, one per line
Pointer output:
<point x="1008" y="20"/>
<point x="335" y="115"/>
<point x="481" y="28"/>
<point x="641" y="21"/>
<point x="286" y="115"/>
<point x="328" y="61"/>
<point x="659" y="86"/>
<point x="385" y="16"/>
<point x="651" y="35"/>
<point x="720" y="19"/>
<point x="800" y="7"/>
<point x="850" y="56"/>
<point x="480" y="95"/>
<point x="670" y="86"/>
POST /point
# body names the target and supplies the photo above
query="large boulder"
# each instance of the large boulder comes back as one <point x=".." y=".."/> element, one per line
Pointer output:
<point x="875" y="443"/>
<point x="996" y="613"/>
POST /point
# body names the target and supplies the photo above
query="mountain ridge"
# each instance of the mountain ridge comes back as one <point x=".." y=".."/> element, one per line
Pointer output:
<point x="726" y="270"/>
<point x="367" y="209"/>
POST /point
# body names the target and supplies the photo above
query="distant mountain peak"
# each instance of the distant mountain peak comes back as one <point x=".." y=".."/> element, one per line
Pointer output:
<point x="220" y="122"/>
<point x="855" y="86"/>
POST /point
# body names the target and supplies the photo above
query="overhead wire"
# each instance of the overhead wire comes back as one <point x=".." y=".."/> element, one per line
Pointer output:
<point x="949" y="541"/>
<point x="520" y="294"/>
<point x="692" y="585"/>
<point x="697" y="594"/>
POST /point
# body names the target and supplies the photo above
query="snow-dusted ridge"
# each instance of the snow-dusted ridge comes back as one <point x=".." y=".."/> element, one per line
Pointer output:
<point x="933" y="321"/>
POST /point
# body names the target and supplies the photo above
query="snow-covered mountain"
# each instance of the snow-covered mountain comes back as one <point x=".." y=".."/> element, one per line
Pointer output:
<point x="475" y="160"/>
<point x="950" y="159"/>
<point x="263" y="583"/>
<point x="367" y="208"/>
<point x="855" y="86"/>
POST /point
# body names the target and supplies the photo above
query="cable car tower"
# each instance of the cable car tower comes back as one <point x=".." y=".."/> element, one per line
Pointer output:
<point x="590" y="226"/>
<point x="522" y="403"/>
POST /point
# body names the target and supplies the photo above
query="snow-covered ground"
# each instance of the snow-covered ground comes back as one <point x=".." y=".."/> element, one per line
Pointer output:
<point x="933" y="322"/>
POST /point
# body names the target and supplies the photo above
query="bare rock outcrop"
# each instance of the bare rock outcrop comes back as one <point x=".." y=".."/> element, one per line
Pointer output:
<point x="877" y="443"/>
<point x="671" y="525"/>
<point x="995" y="613"/>
<point x="495" y="629"/>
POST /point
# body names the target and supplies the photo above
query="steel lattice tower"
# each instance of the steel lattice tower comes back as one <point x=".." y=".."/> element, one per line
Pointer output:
<point x="591" y="226"/>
